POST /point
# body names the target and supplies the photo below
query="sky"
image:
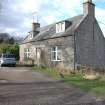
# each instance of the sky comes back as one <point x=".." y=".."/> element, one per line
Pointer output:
<point x="16" y="16"/>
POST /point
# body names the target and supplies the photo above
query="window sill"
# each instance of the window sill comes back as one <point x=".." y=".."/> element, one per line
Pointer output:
<point x="56" y="60"/>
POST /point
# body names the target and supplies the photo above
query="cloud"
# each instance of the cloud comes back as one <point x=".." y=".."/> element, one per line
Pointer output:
<point x="17" y="15"/>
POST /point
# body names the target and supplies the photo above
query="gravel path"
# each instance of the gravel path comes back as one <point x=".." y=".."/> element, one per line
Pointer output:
<point x="21" y="75"/>
<point x="39" y="89"/>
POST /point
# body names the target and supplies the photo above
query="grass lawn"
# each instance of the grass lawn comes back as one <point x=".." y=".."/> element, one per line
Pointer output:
<point x="91" y="85"/>
<point x="97" y="86"/>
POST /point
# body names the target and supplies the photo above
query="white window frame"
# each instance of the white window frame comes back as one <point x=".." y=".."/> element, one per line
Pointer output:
<point x="60" y="27"/>
<point x="27" y="52"/>
<point x="57" y="51"/>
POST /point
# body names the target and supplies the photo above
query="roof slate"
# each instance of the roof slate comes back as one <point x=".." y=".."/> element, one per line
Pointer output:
<point x="49" y="31"/>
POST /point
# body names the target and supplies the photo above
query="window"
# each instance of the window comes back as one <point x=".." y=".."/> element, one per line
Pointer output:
<point x="55" y="54"/>
<point x="60" y="27"/>
<point x="26" y="53"/>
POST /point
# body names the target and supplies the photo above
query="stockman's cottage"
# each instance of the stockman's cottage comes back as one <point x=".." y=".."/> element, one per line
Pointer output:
<point x="70" y="43"/>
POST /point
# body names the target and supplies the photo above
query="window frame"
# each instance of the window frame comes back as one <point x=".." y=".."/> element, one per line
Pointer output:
<point x="60" y="27"/>
<point x="26" y="53"/>
<point x="56" y="51"/>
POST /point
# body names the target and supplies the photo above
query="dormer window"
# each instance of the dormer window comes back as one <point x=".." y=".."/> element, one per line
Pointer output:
<point x="60" y="27"/>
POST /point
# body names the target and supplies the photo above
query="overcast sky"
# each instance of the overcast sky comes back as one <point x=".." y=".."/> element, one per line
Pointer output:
<point x="17" y="15"/>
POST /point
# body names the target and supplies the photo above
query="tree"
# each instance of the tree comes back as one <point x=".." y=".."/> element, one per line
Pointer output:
<point x="1" y="40"/>
<point x="10" y="48"/>
<point x="6" y="38"/>
<point x="11" y="40"/>
<point x="8" y="45"/>
<point x="14" y="49"/>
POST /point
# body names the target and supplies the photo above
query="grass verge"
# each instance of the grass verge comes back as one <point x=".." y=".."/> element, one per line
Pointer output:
<point x="97" y="86"/>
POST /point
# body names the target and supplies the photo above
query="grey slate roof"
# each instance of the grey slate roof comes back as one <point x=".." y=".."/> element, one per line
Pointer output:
<point x="49" y="31"/>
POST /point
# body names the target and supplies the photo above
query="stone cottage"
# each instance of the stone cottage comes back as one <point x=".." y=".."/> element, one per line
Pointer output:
<point x="70" y="43"/>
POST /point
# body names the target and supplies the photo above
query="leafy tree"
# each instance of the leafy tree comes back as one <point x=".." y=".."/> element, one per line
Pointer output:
<point x="6" y="38"/>
<point x="1" y="40"/>
<point x="11" y="40"/>
<point x="10" y="48"/>
<point x="14" y="49"/>
<point x="8" y="45"/>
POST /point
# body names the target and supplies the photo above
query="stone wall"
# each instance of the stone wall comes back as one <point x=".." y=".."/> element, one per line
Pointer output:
<point x="40" y="52"/>
<point x="90" y="44"/>
<point x="66" y="45"/>
<point x="99" y="47"/>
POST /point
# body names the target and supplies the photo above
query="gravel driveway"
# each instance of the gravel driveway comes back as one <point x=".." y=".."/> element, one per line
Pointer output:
<point x="21" y="86"/>
<point x="21" y="75"/>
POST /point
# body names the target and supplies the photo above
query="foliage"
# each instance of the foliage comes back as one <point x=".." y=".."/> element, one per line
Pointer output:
<point x="6" y="38"/>
<point x="10" y="48"/>
<point x="8" y="45"/>
<point x="11" y="40"/>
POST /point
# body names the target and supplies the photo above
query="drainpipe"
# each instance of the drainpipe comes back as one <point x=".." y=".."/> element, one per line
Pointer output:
<point x="74" y="52"/>
<point x="93" y="47"/>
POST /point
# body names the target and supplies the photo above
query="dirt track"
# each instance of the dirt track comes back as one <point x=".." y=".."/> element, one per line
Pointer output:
<point x="39" y="89"/>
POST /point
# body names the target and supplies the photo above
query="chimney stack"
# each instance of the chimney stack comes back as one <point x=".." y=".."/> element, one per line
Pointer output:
<point x="89" y="8"/>
<point x="35" y="28"/>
